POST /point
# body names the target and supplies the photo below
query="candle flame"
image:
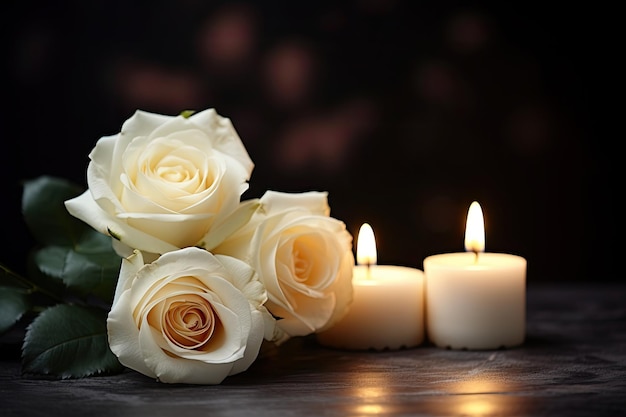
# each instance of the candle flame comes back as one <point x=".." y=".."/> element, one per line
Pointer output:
<point x="366" y="246"/>
<point x="475" y="229"/>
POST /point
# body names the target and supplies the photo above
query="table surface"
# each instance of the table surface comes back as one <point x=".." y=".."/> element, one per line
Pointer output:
<point x="572" y="363"/>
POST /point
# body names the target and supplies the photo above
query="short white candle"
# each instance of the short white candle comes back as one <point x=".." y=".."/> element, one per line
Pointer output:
<point x="387" y="311"/>
<point x="475" y="300"/>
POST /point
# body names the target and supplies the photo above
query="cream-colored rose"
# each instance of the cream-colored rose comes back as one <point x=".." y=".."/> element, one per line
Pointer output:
<point x="165" y="183"/>
<point x="303" y="257"/>
<point x="188" y="317"/>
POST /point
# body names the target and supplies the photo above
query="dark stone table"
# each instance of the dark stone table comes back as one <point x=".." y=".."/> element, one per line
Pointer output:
<point x="573" y="363"/>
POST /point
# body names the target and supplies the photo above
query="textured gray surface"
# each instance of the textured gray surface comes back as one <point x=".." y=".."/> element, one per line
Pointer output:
<point x="573" y="363"/>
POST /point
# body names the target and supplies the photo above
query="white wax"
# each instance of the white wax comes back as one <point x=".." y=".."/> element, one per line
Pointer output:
<point x="475" y="303"/>
<point x="387" y="311"/>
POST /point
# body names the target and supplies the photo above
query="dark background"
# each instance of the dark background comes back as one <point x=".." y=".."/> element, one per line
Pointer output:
<point x="405" y="112"/>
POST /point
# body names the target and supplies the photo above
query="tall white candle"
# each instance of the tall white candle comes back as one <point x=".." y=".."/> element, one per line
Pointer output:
<point x="387" y="311"/>
<point x="475" y="300"/>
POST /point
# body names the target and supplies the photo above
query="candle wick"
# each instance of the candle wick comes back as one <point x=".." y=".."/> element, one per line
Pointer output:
<point x="367" y="265"/>
<point x="475" y="256"/>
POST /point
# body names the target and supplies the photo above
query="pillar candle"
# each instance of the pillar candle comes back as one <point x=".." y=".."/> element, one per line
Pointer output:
<point x="387" y="311"/>
<point x="474" y="299"/>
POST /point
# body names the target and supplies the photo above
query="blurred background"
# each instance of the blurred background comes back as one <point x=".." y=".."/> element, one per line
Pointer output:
<point x="404" y="111"/>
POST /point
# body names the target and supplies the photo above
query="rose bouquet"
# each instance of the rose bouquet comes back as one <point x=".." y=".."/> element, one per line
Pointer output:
<point x="161" y="267"/>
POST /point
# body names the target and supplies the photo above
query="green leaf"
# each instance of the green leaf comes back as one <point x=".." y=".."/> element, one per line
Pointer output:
<point x="68" y="341"/>
<point x="92" y="267"/>
<point x="46" y="291"/>
<point x="187" y="113"/>
<point x="43" y="206"/>
<point x="71" y="251"/>
<point x="13" y="304"/>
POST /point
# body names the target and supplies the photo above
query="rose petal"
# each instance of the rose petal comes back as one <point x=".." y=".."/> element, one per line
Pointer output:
<point x="227" y="347"/>
<point x="313" y="201"/>
<point x="253" y="344"/>
<point x="86" y="209"/>
<point x="310" y="315"/>
<point x="342" y="288"/>
<point x="226" y="138"/>
<point x="128" y="270"/>
<point x="105" y="151"/>
<point x="141" y="122"/>
<point x="226" y="226"/>
<point x="175" y="369"/>
<point x="123" y="336"/>
<point x="242" y="278"/>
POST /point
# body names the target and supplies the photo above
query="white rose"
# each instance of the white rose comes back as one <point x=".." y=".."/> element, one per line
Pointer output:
<point x="188" y="317"/>
<point x="303" y="257"/>
<point x="165" y="183"/>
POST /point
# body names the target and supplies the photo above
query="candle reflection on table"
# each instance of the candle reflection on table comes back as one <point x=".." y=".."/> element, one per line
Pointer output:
<point x="370" y="390"/>
<point x="484" y="394"/>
